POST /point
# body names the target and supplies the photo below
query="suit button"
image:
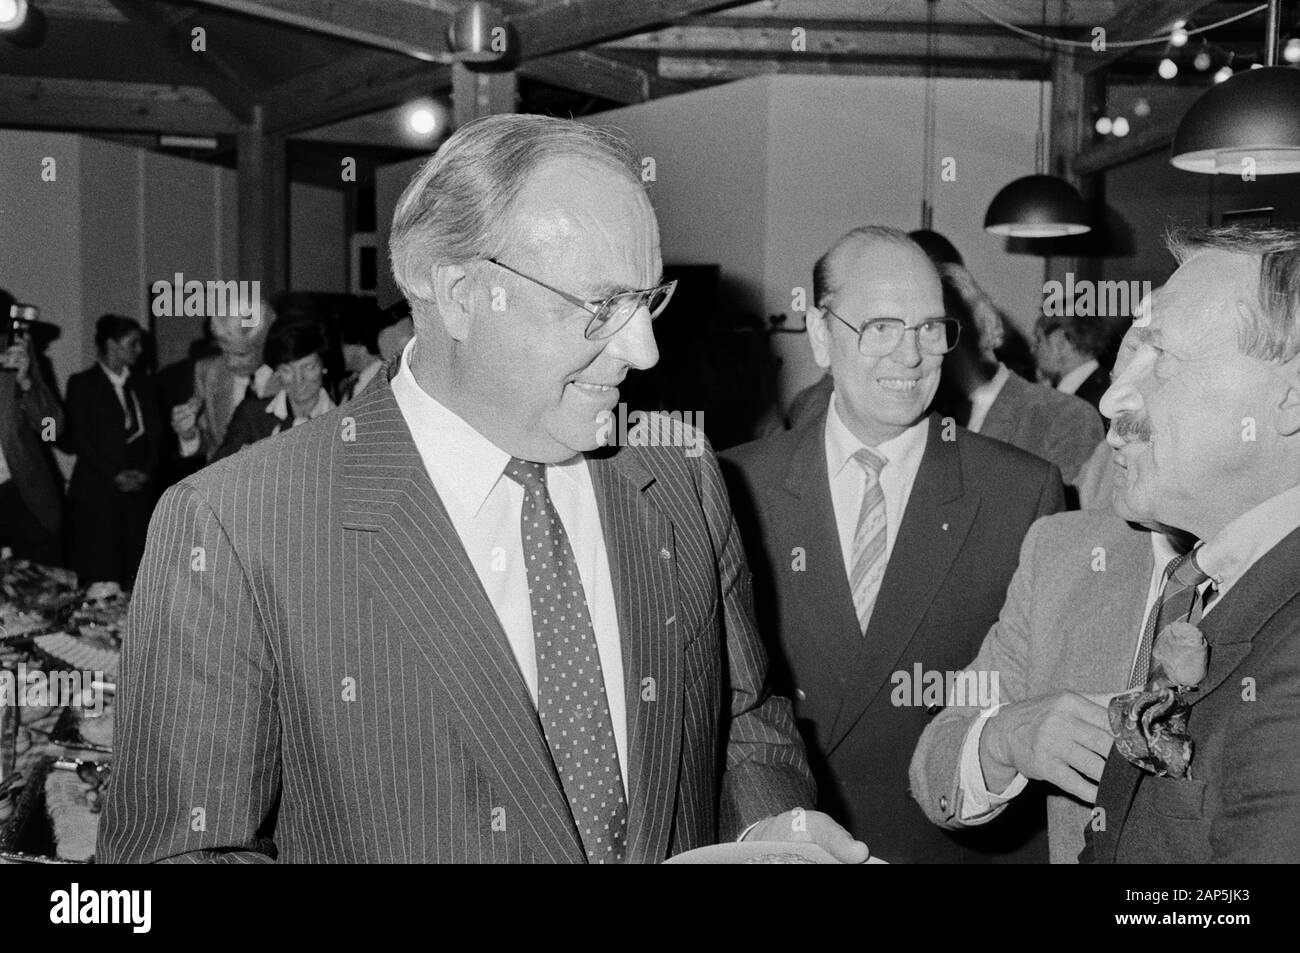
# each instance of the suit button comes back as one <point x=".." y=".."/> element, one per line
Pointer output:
<point x="800" y="694"/>
<point x="943" y="803"/>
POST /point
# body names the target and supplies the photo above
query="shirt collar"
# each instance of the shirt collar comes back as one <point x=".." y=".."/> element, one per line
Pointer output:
<point x="842" y="444"/>
<point x="460" y="460"/>
<point x="1071" y="382"/>
<point x="989" y="392"/>
<point x="366" y="375"/>
<point x="279" y="405"/>
<point x="1240" y="544"/>
<point x="118" y="380"/>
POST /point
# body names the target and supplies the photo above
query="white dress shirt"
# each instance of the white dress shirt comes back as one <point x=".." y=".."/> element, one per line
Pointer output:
<point x="485" y="507"/>
<point x="1071" y="382"/>
<point x="279" y="407"/>
<point x="984" y="396"/>
<point x="849" y="483"/>
<point x="123" y="395"/>
<point x="1225" y="559"/>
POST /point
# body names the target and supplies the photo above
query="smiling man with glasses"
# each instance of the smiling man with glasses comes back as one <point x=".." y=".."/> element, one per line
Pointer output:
<point x="490" y="643"/>
<point x="882" y="540"/>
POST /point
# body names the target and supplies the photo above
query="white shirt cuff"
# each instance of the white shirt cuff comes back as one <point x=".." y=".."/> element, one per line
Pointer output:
<point x="978" y="803"/>
<point x="190" y="447"/>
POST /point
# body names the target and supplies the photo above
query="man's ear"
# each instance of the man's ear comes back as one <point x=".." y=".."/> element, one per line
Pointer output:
<point x="1288" y="411"/>
<point x="452" y="291"/>
<point x="818" y="336"/>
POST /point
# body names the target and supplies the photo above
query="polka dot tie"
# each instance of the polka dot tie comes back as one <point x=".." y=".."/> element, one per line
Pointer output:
<point x="571" y="699"/>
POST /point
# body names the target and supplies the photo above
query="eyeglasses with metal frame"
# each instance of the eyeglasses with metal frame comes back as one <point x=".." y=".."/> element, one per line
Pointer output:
<point x="609" y="314"/>
<point x="881" y="336"/>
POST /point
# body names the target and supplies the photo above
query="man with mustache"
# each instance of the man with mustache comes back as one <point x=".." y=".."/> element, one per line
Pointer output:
<point x="1207" y="439"/>
<point x="441" y="623"/>
<point x="882" y="540"/>
<point x="1207" y="411"/>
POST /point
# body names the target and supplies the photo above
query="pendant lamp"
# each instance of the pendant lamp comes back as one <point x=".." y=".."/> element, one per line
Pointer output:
<point x="1249" y="122"/>
<point x="1038" y="205"/>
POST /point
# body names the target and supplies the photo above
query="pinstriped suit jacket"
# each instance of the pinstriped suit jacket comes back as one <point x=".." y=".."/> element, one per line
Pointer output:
<point x="313" y="672"/>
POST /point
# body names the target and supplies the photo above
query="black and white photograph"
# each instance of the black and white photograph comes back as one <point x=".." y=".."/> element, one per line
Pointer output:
<point x="839" y="432"/>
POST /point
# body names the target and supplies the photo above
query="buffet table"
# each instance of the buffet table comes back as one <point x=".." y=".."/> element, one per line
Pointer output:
<point x="59" y="654"/>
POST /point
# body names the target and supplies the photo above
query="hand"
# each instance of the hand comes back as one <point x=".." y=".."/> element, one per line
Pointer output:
<point x="185" y="419"/>
<point x="811" y="827"/>
<point x="129" y="481"/>
<point x="1062" y="739"/>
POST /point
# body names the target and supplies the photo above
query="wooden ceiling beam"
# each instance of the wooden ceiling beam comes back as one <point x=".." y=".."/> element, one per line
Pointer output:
<point x="555" y="27"/>
<point x="76" y="105"/>
<point x="170" y="29"/>
<point x="363" y="83"/>
<point x="415" y="31"/>
<point x="717" y="69"/>
<point x="602" y="76"/>
<point x="884" y="40"/>
<point x="1146" y="138"/>
<point x="1028" y="13"/>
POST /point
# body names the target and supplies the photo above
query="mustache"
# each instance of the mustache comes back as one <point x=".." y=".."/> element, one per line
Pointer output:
<point x="1132" y="428"/>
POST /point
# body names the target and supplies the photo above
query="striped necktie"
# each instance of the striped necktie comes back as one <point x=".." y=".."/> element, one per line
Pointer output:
<point x="1179" y="601"/>
<point x="869" y="538"/>
<point x="571" y="702"/>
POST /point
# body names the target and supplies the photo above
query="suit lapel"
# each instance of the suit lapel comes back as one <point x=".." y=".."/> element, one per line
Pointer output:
<point x="827" y="595"/>
<point x="639" y="544"/>
<point x="939" y="514"/>
<point x="1232" y="625"/>
<point x="1229" y="630"/>
<point x="435" y="599"/>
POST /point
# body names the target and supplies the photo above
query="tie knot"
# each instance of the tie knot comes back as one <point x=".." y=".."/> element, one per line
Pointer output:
<point x="528" y="474"/>
<point x="870" y="461"/>
<point x="1186" y="571"/>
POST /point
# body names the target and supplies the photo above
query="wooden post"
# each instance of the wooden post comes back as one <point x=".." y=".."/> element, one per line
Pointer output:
<point x="477" y="94"/>
<point x="263" y="206"/>
<point x="1070" y="131"/>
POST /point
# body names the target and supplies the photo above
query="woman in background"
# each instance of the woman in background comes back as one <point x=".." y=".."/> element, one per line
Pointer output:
<point x="296" y="351"/>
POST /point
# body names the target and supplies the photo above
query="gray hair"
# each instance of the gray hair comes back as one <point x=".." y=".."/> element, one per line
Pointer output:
<point x="1274" y="336"/>
<point x="458" y="206"/>
<point x="825" y="271"/>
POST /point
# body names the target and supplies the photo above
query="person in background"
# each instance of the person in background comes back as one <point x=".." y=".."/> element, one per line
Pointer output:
<point x="359" y="333"/>
<point x="985" y="396"/>
<point x="810" y="403"/>
<point x="397" y="329"/>
<point x="222" y="382"/>
<point x="114" y="430"/>
<point x="296" y="350"/>
<point x="1069" y="352"/>
<point x="882" y="540"/>
<point x="31" y="490"/>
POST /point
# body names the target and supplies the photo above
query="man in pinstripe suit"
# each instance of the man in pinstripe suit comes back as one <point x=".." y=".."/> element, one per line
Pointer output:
<point x="441" y="623"/>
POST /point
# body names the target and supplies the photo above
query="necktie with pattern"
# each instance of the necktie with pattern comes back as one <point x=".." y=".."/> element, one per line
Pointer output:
<point x="571" y="699"/>
<point x="869" y="539"/>
<point x="1179" y="601"/>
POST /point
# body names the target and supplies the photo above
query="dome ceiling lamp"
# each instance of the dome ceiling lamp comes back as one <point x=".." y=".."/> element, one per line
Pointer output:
<point x="1249" y="121"/>
<point x="1038" y="205"/>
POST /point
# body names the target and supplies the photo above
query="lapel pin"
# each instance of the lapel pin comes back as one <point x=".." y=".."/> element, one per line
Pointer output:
<point x="665" y="554"/>
<point x="945" y="527"/>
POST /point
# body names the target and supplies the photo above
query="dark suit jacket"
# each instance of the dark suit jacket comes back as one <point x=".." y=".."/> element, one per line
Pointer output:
<point x="22" y="422"/>
<point x="331" y="562"/>
<point x="1242" y="803"/>
<point x="1093" y="386"/>
<point x="250" y="424"/>
<point x="1059" y="428"/>
<point x="956" y="551"/>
